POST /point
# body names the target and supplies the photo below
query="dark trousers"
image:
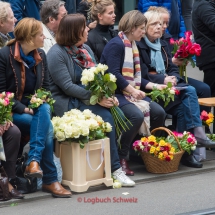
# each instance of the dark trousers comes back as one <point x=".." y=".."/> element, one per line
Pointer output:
<point x="11" y="142"/>
<point x="209" y="78"/>
<point x="136" y="117"/>
<point x="202" y="90"/>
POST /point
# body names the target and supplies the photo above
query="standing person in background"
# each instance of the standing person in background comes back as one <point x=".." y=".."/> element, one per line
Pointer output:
<point x="176" y="25"/>
<point x="25" y="8"/>
<point x="103" y="12"/>
<point x="186" y="11"/>
<point x="71" y="5"/>
<point x="203" y="17"/>
<point x="52" y="11"/>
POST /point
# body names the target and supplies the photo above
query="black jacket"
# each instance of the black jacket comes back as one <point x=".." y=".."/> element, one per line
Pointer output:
<point x="12" y="74"/>
<point x="203" y="17"/>
<point x="98" y="38"/>
<point x="171" y="69"/>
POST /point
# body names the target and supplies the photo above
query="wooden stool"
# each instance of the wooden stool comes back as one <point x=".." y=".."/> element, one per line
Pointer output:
<point x="210" y="102"/>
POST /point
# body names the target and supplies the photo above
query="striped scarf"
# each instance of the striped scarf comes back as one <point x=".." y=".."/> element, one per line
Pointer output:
<point x="132" y="73"/>
<point x="131" y="66"/>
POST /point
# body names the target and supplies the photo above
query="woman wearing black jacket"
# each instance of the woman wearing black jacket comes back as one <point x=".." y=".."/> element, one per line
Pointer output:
<point x="103" y="12"/>
<point x="203" y="17"/>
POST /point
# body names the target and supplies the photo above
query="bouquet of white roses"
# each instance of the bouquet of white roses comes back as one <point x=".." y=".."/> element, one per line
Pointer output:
<point x="80" y="127"/>
<point x="101" y="85"/>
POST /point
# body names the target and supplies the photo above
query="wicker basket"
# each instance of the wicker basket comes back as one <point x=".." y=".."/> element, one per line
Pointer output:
<point x="155" y="165"/>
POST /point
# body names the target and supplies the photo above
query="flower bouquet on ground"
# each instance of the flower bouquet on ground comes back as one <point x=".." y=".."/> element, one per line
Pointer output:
<point x="101" y="85"/>
<point x="166" y="94"/>
<point x="207" y="118"/>
<point x="6" y="104"/>
<point x="158" y="154"/>
<point x="80" y="127"/>
<point x="41" y="96"/>
<point x="187" y="141"/>
<point x="185" y="49"/>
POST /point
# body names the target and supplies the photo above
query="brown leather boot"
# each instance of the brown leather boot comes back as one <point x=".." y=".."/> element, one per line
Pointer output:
<point x="56" y="190"/>
<point x="125" y="167"/>
<point x="33" y="170"/>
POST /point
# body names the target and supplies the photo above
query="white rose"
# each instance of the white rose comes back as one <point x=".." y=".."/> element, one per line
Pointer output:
<point x="112" y="78"/>
<point x="60" y="135"/>
<point x="84" y="80"/>
<point x="117" y="184"/>
<point x="172" y="92"/>
<point x="108" y="127"/>
<point x="68" y="131"/>
<point x="85" y="131"/>
<point x="193" y="148"/>
<point x="76" y="132"/>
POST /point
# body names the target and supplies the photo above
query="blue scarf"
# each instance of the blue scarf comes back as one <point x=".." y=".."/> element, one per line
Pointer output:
<point x="156" y="56"/>
<point x="29" y="59"/>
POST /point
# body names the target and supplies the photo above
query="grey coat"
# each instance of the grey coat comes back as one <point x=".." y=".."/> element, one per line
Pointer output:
<point x="63" y="79"/>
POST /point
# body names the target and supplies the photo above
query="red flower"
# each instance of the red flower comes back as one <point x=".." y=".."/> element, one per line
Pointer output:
<point x="204" y="116"/>
<point x="177" y="92"/>
<point x="189" y="140"/>
<point x="172" y="42"/>
<point x="188" y="34"/>
<point x="167" y="158"/>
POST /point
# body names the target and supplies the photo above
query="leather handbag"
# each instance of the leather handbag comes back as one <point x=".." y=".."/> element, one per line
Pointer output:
<point x="23" y="183"/>
<point x="4" y="190"/>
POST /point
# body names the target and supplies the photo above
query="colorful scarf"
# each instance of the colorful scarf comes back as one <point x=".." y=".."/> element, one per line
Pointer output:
<point x="81" y="56"/>
<point x="132" y="73"/>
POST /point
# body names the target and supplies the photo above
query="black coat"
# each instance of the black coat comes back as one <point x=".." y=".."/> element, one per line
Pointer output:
<point x="97" y="42"/>
<point x="203" y="17"/>
<point x="171" y="69"/>
<point x="11" y="78"/>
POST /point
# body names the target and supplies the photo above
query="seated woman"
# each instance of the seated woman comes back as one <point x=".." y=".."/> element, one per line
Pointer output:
<point x="9" y="132"/>
<point x="202" y="89"/>
<point x="121" y="55"/>
<point x="157" y="66"/>
<point x="66" y="60"/>
<point x="103" y="12"/>
<point x="23" y="70"/>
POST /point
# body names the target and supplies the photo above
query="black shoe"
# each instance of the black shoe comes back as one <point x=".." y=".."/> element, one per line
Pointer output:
<point x="205" y="142"/>
<point x="190" y="161"/>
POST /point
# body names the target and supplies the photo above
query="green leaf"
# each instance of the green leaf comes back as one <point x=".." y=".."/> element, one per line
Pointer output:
<point x="112" y="86"/>
<point x="93" y="99"/>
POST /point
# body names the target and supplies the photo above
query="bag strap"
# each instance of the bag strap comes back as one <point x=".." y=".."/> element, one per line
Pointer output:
<point x="203" y="34"/>
<point x="101" y="156"/>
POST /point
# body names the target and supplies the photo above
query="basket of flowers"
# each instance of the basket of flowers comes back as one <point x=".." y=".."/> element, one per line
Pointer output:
<point x="158" y="154"/>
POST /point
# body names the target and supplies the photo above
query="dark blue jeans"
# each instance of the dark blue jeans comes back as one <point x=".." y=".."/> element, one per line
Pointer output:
<point x="188" y="112"/>
<point x="40" y="129"/>
<point x="107" y="117"/>
<point x="202" y="90"/>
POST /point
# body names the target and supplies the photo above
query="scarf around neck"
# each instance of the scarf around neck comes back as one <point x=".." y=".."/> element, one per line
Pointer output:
<point x="131" y="65"/>
<point x="156" y="56"/>
<point x="28" y="59"/>
<point x="81" y="56"/>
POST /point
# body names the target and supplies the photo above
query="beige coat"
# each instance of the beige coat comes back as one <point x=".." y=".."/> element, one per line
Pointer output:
<point x="49" y="41"/>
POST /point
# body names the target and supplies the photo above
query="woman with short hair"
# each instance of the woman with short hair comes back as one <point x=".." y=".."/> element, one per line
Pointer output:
<point x="122" y="57"/>
<point x="23" y="70"/>
<point x="66" y="61"/>
<point x="157" y="66"/>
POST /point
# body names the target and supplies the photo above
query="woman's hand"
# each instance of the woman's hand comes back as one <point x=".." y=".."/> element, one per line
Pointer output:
<point x="171" y="79"/>
<point x="92" y="25"/>
<point x="177" y="61"/>
<point x="29" y="111"/>
<point x="7" y="125"/>
<point x="138" y="94"/>
<point x="161" y="86"/>
<point x="109" y="102"/>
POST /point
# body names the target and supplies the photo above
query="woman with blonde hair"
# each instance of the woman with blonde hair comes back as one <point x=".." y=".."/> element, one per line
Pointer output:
<point x="7" y="22"/>
<point x="103" y="12"/>
<point x="157" y="67"/>
<point x="23" y="70"/>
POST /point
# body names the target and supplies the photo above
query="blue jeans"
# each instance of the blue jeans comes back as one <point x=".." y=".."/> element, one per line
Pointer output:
<point x="187" y="112"/>
<point x="107" y="117"/>
<point x="40" y="129"/>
